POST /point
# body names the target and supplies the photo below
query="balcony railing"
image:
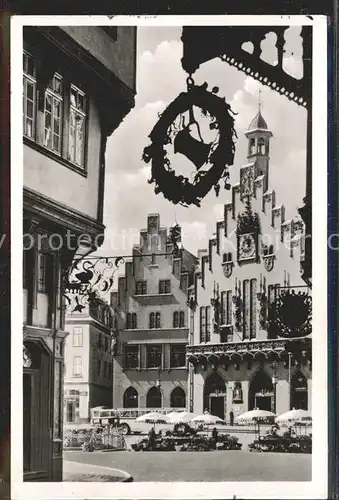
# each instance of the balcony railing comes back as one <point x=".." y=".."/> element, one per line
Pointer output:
<point x="252" y="347"/>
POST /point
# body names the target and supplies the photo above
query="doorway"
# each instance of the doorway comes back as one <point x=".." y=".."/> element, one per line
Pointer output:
<point x="217" y="406"/>
<point x="263" y="403"/>
<point x="261" y="393"/>
<point x="215" y="395"/>
<point x="299" y="392"/>
<point x="70" y="411"/>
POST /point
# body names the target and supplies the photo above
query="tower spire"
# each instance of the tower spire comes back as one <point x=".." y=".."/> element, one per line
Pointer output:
<point x="259" y="100"/>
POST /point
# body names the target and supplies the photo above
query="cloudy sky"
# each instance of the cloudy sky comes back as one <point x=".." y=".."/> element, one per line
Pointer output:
<point x="160" y="78"/>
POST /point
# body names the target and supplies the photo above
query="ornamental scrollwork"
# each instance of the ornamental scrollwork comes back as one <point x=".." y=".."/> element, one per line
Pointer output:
<point x="88" y="279"/>
<point x="291" y="314"/>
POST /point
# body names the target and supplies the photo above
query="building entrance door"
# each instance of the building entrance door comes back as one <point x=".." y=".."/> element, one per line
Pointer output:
<point x="215" y="395"/>
<point x="217" y="406"/>
<point x="263" y="403"/>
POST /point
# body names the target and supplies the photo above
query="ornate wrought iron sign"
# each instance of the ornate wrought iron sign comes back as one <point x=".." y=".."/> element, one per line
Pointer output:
<point x="88" y="279"/>
<point x="218" y="155"/>
<point x="291" y="313"/>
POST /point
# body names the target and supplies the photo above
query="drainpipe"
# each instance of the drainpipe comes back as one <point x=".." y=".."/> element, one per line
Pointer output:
<point x="190" y="367"/>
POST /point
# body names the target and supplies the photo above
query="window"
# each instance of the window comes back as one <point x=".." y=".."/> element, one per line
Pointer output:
<point x="253" y="308"/>
<point x="131" y="398"/>
<point x="131" y="321"/>
<point x="181" y="319"/>
<point x="64" y="105"/>
<point x="261" y="146"/>
<point x="205" y="327"/>
<point x="227" y="257"/>
<point x="77" y="336"/>
<point x="105" y="369"/>
<point x="154" y="398"/>
<point x="53" y="114"/>
<point x="77" y="366"/>
<point x="44" y="272"/>
<point x="252" y="146"/>
<point x="131" y="357"/>
<point x="29" y="97"/>
<point x="178" y="398"/>
<point x="141" y="287"/>
<point x="106" y="343"/>
<point x="164" y="286"/>
<point x="177" y="355"/>
<point x="226" y="307"/>
<point x="99" y="367"/>
<point x="77" y="121"/>
<point x="249" y="308"/>
<point x="155" y="320"/>
<point x="153" y="356"/>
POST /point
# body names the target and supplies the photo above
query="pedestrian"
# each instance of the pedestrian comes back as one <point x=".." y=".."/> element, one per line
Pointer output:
<point x="151" y="439"/>
<point x="231" y="418"/>
<point x="215" y="437"/>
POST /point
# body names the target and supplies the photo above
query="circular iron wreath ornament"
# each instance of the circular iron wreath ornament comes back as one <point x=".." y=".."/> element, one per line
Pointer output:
<point x="178" y="189"/>
<point x="291" y="315"/>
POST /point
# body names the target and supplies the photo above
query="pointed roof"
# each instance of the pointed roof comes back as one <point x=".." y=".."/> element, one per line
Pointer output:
<point x="258" y="122"/>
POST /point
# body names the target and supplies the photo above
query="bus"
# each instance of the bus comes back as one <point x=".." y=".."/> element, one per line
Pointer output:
<point x="102" y="415"/>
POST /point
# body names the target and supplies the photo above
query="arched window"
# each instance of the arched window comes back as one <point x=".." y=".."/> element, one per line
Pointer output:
<point x="178" y="398"/>
<point x="252" y="146"/>
<point x="261" y="146"/>
<point x="270" y="250"/>
<point x="153" y="398"/>
<point x="176" y="319"/>
<point x="227" y="257"/>
<point x="131" y="398"/>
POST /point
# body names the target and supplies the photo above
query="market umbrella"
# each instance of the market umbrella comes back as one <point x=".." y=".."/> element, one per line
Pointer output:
<point x="207" y="418"/>
<point x="153" y="417"/>
<point x="256" y="416"/>
<point x="183" y="417"/>
<point x="173" y="415"/>
<point x="295" y="416"/>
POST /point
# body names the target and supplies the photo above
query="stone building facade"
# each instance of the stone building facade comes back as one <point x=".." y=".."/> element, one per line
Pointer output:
<point x="152" y="323"/>
<point x="78" y="85"/>
<point x="250" y="308"/>
<point x="88" y="376"/>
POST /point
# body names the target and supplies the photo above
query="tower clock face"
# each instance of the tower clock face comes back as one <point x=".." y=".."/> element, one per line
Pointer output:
<point x="247" y="247"/>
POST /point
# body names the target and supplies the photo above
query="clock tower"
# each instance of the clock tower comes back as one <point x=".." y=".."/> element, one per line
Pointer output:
<point x="258" y="137"/>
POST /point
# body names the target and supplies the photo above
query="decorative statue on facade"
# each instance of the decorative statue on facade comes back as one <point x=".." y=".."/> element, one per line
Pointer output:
<point x="262" y="303"/>
<point x="215" y="303"/>
<point x="238" y="306"/>
<point x="216" y="156"/>
<point x="237" y="396"/>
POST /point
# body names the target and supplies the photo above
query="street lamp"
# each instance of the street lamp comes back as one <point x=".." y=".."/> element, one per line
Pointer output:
<point x="274" y="383"/>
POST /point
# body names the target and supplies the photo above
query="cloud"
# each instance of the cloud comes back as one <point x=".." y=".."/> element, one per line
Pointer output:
<point x="128" y="195"/>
